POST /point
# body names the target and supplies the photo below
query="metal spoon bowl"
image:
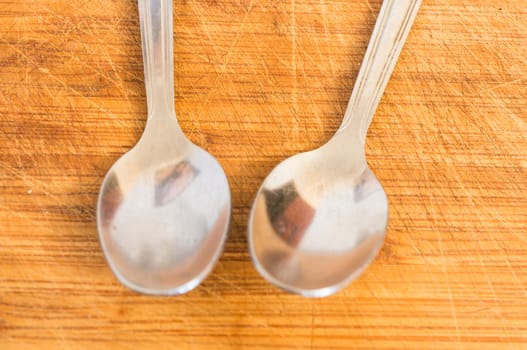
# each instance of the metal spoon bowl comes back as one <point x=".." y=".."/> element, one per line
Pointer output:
<point x="164" y="207"/>
<point x="320" y="217"/>
<point x="316" y="228"/>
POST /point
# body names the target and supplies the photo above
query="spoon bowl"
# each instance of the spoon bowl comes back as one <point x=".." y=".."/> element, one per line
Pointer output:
<point x="317" y="217"/>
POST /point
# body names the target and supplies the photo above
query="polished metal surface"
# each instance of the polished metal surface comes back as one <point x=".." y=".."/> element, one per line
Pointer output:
<point x="164" y="207"/>
<point x="320" y="217"/>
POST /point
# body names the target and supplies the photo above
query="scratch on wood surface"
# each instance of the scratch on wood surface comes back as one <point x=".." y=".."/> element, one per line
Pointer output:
<point x="28" y="180"/>
<point x="329" y="54"/>
<point x="369" y="5"/>
<point x="56" y="78"/>
<point x="254" y="320"/>
<point x="312" y="328"/>
<point x="228" y="53"/>
<point x="492" y="289"/>
<point x="498" y="312"/>
<point x="516" y="277"/>
<point x="232" y="284"/>
<point x="505" y="84"/>
<point x="204" y="28"/>
<point x="433" y="217"/>
<point x="112" y="26"/>
<point x="293" y="56"/>
<point x="450" y="296"/>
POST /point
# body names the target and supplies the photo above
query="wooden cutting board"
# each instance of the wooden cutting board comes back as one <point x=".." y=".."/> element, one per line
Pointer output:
<point x="257" y="81"/>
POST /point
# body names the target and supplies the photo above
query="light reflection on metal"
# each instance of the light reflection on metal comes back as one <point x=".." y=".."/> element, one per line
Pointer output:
<point x="172" y="180"/>
<point x="289" y="214"/>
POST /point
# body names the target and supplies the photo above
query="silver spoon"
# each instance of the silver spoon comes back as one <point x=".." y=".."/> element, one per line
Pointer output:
<point x="320" y="217"/>
<point x="164" y="207"/>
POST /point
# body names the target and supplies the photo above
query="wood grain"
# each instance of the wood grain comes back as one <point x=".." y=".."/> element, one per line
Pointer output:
<point x="257" y="81"/>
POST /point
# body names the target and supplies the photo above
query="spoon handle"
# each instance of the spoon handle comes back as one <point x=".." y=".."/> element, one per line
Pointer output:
<point x="155" y="17"/>
<point x="389" y="35"/>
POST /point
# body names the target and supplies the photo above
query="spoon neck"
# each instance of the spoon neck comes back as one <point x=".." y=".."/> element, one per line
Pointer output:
<point x="155" y="18"/>
<point x="389" y="35"/>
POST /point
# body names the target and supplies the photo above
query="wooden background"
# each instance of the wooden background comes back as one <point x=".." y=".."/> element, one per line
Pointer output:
<point x="257" y="81"/>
